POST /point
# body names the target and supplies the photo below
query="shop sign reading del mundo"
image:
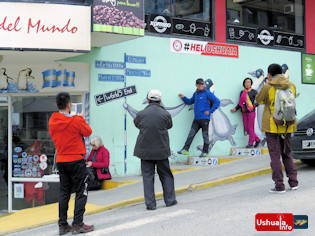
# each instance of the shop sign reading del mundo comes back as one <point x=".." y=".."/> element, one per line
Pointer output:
<point x="36" y="26"/>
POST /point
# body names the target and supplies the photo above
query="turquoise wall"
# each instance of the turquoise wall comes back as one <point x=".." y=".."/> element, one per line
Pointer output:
<point x="174" y="73"/>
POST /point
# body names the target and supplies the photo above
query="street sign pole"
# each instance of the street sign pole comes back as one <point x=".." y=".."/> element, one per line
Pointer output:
<point x="125" y="111"/>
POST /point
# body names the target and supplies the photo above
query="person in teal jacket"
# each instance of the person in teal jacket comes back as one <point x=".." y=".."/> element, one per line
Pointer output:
<point x="205" y="103"/>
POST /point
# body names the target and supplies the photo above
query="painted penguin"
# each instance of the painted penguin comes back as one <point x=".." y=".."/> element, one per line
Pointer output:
<point x="24" y="76"/>
<point x="220" y="127"/>
<point x="4" y="79"/>
<point x="172" y="110"/>
<point x="257" y="85"/>
<point x="285" y="70"/>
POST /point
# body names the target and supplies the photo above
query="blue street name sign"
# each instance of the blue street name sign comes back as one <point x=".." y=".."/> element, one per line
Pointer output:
<point x="107" y="77"/>
<point x="138" y="72"/>
<point x="135" y="59"/>
<point x="109" y="65"/>
<point x="115" y="94"/>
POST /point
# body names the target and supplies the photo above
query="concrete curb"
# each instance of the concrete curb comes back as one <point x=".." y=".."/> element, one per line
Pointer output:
<point x="159" y="195"/>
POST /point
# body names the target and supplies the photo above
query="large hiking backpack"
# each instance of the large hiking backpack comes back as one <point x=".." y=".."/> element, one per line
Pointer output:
<point x="285" y="107"/>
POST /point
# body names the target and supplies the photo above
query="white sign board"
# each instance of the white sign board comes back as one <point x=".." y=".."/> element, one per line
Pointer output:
<point x="45" y="26"/>
<point x="245" y="152"/>
<point x="18" y="190"/>
<point x="203" y="161"/>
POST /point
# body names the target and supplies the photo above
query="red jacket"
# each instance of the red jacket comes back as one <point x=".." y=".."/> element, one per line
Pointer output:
<point x="102" y="160"/>
<point x="67" y="134"/>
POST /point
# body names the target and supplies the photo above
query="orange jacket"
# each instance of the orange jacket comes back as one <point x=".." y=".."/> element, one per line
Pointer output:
<point x="67" y="133"/>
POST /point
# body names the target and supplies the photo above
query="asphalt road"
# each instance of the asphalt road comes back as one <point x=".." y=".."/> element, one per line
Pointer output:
<point x="228" y="209"/>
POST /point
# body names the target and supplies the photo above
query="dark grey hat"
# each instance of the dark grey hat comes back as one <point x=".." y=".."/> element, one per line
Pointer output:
<point x="200" y="81"/>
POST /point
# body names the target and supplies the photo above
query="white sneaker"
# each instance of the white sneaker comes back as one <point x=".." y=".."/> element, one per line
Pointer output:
<point x="295" y="188"/>
<point x="274" y="190"/>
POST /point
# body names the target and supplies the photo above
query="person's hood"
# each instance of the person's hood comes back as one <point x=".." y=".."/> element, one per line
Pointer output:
<point x="280" y="82"/>
<point x="59" y="121"/>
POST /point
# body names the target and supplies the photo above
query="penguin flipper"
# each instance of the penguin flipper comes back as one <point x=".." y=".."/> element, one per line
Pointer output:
<point x="133" y="112"/>
<point x="225" y="102"/>
<point x="234" y="128"/>
<point x="175" y="110"/>
<point x="232" y="142"/>
<point x="257" y="82"/>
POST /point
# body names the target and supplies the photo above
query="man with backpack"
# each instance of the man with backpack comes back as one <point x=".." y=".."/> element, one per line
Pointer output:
<point x="279" y="122"/>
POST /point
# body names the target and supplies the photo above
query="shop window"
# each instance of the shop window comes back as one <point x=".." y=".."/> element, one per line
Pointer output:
<point x="70" y="2"/>
<point x="30" y="135"/>
<point x="186" y="9"/>
<point x="33" y="151"/>
<point x="277" y="23"/>
<point x="280" y="15"/>
<point x="179" y="17"/>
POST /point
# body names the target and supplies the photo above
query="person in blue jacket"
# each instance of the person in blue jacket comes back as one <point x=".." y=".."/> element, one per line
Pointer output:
<point x="205" y="104"/>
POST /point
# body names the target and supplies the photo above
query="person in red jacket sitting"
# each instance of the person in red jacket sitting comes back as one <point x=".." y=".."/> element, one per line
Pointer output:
<point x="98" y="160"/>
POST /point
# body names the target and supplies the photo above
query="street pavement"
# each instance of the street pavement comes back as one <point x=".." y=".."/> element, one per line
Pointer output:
<point x="187" y="178"/>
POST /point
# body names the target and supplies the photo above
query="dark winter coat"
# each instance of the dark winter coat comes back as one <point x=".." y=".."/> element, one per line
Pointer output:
<point x="153" y="140"/>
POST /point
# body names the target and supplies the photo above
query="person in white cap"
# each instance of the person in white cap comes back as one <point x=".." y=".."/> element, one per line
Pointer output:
<point x="153" y="148"/>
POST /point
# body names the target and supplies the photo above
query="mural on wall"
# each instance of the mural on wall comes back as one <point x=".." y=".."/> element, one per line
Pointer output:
<point x="38" y="78"/>
<point x="220" y="127"/>
<point x="172" y="110"/>
<point x="258" y="83"/>
<point x="103" y="98"/>
<point x="20" y="85"/>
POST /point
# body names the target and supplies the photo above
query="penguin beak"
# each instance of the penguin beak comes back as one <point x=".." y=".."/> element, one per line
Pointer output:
<point x="212" y="89"/>
<point x="253" y="73"/>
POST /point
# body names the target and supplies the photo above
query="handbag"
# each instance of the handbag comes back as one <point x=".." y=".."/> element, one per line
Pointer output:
<point x="104" y="170"/>
<point x="91" y="172"/>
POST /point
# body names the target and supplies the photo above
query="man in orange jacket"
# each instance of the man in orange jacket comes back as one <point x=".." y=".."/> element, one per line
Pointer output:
<point x="68" y="134"/>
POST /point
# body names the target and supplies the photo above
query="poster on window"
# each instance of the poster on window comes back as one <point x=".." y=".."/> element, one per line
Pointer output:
<point x="118" y="16"/>
<point x="308" y="67"/>
<point x="64" y="76"/>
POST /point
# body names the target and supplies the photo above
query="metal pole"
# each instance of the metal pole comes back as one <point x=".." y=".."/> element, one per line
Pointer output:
<point x="125" y="125"/>
<point x="10" y="154"/>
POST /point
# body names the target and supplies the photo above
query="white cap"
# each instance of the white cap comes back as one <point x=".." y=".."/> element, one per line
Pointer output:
<point x="154" y="95"/>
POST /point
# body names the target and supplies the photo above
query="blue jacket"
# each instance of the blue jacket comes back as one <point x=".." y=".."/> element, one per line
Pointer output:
<point x="202" y="100"/>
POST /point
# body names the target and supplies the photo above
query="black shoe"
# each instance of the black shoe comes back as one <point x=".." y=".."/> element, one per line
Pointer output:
<point x="249" y="146"/>
<point x="77" y="229"/>
<point x="64" y="229"/>
<point x="257" y="143"/>
<point x="172" y="204"/>
<point x="151" y="208"/>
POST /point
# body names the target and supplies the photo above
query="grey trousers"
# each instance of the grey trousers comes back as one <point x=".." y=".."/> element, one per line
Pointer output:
<point x="166" y="178"/>
<point x="196" y="125"/>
